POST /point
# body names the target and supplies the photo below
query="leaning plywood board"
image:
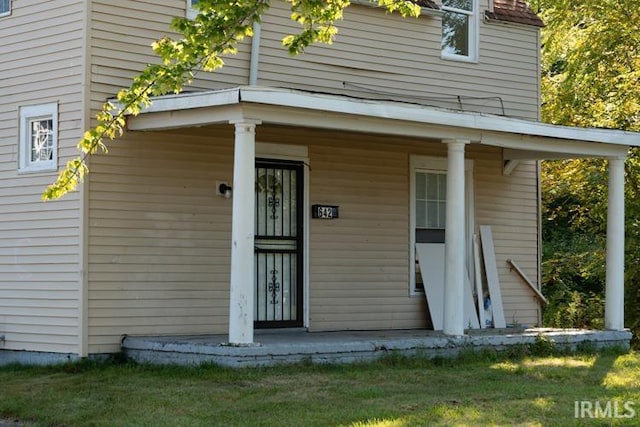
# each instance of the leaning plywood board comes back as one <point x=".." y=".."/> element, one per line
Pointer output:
<point x="431" y="259"/>
<point x="491" y="269"/>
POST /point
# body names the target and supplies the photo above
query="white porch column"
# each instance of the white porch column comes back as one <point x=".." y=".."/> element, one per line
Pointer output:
<point x="454" y="240"/>
<point x="242" y="235"/>
<point x="614" y="294"/>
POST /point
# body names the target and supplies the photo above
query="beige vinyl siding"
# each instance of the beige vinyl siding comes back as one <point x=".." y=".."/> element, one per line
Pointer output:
<point x="121" y="38"/>
<point x="42" y="54"/>
<point x="360" y="262"/>
<point x="160" y="238"/>
<point x="377" y="55"/>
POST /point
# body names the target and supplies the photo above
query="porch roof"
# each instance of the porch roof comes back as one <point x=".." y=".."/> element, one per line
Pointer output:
<point x="520" y="139"/>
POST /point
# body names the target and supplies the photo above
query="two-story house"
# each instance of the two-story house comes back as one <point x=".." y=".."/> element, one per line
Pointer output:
<point x="314" y="192"/>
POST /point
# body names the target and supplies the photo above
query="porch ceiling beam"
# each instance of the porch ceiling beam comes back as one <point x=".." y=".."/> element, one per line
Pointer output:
<point x="174" y="119"/>
<point x="518" y="147"/>
<point x="352" y="123"/>
<point x="434" y="116"/>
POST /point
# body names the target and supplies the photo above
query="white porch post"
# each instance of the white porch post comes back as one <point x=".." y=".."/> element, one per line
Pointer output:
<point x="242" y="235"/>
<point x="454" y="240"/>
<point x="614" y="294"/>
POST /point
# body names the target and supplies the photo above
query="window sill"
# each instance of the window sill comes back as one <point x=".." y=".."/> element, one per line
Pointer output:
<point x="46" y="168"/>
<point x="415" y="293"/>
<point x="458" y="58"/>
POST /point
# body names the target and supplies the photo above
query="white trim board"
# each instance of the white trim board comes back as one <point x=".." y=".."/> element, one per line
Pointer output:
<point x="478" y="282"/>
<point x="491" y="269"/>
<point x="470" y="314"/>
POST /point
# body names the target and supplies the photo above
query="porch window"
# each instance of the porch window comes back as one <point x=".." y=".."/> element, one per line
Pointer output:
<point x="459" y="29"/>
<point x="38" y="138"/>
<point x="431" y="197"/>
<point x="5" y="7"/>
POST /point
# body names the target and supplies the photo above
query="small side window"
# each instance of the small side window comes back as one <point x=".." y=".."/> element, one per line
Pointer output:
<point x="191" y="10"/>
<point x="5" y="7"/>
<point x="38" y="138"/>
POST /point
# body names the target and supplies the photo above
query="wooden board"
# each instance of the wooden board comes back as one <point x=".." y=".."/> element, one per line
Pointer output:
<point x="478" y="281"/>
<point x="470" y="315"/>
<point x="491" y="269"/>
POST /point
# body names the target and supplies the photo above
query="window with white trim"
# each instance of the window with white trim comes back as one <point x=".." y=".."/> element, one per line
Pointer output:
<point x="38" y="138"/>
<point x="191" y="10"/>
<point x="460" y="29"/>
<point x="5" y="7"/>
<point x="431" y="199"/>
<point x="430" y="212"/>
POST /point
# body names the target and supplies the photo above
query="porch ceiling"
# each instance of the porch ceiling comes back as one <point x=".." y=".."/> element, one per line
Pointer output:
<point x="521" y="139"/>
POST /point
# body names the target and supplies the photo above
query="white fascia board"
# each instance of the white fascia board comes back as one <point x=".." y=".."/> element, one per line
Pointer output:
<point x="174" y="119"/>
<point x="186" y="101"/>
<point x="525" y="147"/>
<point x="332" y="120"/>
<point x="430" y="115"/>
<point x="607" y="151"/>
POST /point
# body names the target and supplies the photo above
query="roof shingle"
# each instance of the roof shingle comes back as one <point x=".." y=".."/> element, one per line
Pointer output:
<point x="429" y="4"/>
<point x="516" y="11"/>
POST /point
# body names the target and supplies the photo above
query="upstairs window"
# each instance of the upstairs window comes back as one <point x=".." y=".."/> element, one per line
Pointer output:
<point x="191" y="10"/>
<point x="459" y="29"/>
<point x="5" y="7"/>
<point x="39" y="138"/>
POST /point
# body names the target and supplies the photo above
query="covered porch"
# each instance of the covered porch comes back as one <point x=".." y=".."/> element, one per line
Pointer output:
<point x="247" y="108"/>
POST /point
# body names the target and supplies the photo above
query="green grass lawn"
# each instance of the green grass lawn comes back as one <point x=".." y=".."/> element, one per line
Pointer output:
<point x="476" y="389"/>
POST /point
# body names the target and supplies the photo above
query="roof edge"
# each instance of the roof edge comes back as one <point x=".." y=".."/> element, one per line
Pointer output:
<point x="390" y="110"/>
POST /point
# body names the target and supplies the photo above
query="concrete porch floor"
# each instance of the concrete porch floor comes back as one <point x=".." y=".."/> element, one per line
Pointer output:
<point x="291" y="346"/>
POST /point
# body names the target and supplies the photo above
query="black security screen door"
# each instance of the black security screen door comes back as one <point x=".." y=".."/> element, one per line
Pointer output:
<point x="278" y="244"/>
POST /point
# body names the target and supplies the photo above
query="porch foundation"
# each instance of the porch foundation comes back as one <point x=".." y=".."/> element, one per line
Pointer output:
<point x="283" y="347"/>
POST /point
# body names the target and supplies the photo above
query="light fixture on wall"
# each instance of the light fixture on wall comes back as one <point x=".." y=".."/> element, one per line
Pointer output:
<point x="225" y="190"/>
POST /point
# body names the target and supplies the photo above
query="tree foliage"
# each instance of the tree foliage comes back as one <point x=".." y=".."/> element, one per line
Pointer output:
<point x="204" y="40"/>
<point x="590" y="77"/>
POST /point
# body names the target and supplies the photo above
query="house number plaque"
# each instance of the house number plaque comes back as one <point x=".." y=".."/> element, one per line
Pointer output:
<point x="324" y="212"/>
